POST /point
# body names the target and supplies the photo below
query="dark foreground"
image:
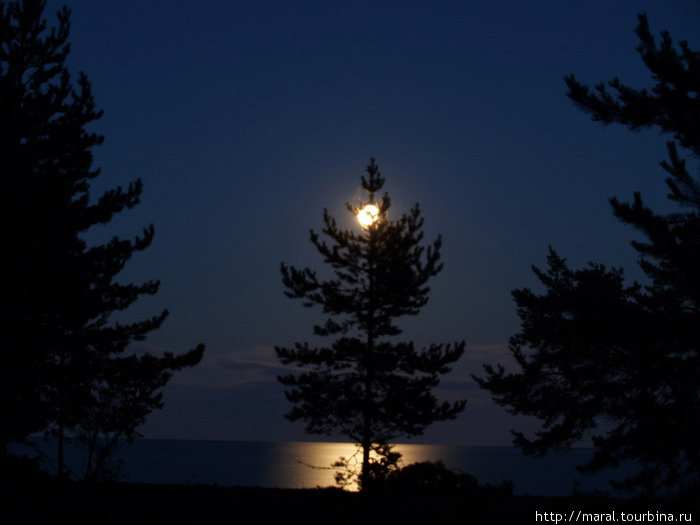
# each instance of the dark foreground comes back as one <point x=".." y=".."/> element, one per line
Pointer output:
<point x="50" y="502"/>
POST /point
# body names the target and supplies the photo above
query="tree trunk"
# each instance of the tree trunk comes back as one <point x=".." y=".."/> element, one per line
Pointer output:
<point x="61" y="415"/>
<point x="60" y="446"/>
<point x="3" y="453"/>
<point x="366" y="433"/>
<point x="369" y="374"/>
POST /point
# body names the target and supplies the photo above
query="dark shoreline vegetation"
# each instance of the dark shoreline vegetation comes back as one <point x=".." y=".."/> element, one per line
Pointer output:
<point x="30" y="496"/>
<point x="76" y="503"/>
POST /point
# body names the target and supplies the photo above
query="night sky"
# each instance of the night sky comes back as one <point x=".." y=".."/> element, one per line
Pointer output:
<point x="246" y="119"/>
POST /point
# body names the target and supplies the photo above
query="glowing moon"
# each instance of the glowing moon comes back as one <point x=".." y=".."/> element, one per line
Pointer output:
<point x="368" y="215"/>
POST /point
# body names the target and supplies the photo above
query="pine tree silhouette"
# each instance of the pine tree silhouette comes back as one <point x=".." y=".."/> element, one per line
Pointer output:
<point x="68" y="369"/>
<point x="593" y="348"/>
<point x="364" y="385"/>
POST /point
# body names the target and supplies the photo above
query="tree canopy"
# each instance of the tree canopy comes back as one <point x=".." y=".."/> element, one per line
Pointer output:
<point x="365" y="385"/>
<point x="66" y="359"/>
<point x="621" y="362"/>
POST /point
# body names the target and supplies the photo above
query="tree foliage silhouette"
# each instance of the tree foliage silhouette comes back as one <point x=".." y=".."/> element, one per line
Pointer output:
<point x="593" y="349"/>
<point x="365" y="386"/>
<point x="68" y="369"/>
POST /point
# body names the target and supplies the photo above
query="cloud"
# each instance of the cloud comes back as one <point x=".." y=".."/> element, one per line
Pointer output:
<point x="475" y="356"/>
<point x="259" y="366"/>
<point x="233" y="369"/>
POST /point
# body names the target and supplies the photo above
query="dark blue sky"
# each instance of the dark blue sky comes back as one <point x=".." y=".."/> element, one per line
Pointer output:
<point x="246" y="119"/>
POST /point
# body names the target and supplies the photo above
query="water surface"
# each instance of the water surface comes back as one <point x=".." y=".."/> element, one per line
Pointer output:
<point x="307" y="464"/>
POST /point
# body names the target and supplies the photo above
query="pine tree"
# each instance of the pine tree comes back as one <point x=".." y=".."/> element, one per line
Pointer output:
<point x="58" y="292"/>
<point x="364" y="385"/>
<point x="617" y="362"/>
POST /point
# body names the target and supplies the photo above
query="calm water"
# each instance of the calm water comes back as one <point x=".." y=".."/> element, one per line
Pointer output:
<point x="291" y="464"/>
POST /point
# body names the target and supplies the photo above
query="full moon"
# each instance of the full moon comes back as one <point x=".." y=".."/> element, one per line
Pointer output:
<point x="368" y="215"/>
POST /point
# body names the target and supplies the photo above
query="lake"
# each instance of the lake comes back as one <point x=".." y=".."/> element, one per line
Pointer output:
<point x="306" y="464"/>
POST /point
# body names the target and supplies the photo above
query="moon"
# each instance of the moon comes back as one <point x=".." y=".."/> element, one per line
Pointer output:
<point x="368" y="215"/>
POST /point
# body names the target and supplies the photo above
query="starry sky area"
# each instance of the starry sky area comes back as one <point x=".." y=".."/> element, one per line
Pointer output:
<point x="245" y="119"/>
